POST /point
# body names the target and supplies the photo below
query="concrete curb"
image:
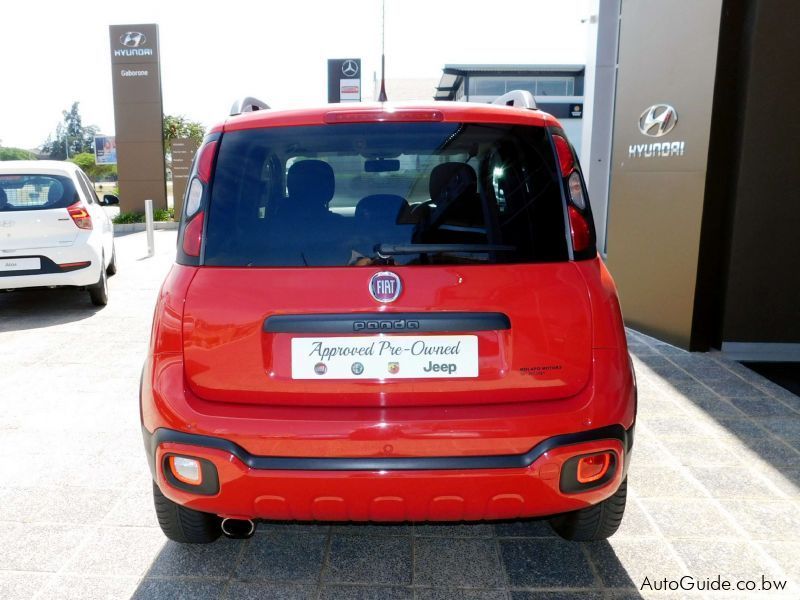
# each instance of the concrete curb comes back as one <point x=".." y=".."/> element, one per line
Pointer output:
<point x="120" y="228"/>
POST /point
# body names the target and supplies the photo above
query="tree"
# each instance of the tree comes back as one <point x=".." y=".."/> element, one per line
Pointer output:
<point x="178" y="126"/>
<point x="16" y="154"/>
<point x="55" y="148"/>
<point x="95" y="172"/>
<point x="71" y="137"/>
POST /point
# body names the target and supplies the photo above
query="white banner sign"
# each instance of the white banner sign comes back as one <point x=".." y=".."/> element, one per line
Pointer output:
<point x="385" y="357"/>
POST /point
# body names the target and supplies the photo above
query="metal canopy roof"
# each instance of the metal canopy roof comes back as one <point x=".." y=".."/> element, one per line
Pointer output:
<point x="453" y="74"/>
<point x="504" y="68"/>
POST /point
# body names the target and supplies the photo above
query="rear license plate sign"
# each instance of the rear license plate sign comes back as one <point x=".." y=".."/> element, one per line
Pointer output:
<point x="385" y="357"/>
<point x="20" y="264"/>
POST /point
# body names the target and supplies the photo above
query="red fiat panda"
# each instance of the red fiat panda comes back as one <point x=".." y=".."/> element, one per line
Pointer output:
<point x="387" y="313"/>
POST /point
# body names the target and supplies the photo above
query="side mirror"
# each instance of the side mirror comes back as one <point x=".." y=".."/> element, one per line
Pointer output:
<point x="109" y="200"/>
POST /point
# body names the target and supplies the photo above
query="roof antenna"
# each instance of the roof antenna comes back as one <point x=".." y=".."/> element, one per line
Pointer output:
<point x="382" y="96"/>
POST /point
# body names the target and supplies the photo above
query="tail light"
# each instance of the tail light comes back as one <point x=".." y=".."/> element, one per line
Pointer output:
<point x="80" y="215"/>
<point x="186" y="470"/>
<point x="193" y="232"/>
<point x="74" y="266"/>
<point x="576" y="190"/>
<point x="205" y="161"/>
<point x="193" y="236"/>
<point x="566" y="161"/>
<point x="593" y="467"/>
<point x="194" y="197"/>
<point x="381" y="115"/>
<point x="579" y="230"/>
<point x="191" y="473"/>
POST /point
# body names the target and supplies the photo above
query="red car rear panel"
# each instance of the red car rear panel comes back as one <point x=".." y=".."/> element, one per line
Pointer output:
<point x="545" y="355"/>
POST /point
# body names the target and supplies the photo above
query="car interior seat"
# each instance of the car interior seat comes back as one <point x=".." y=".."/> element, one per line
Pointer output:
<point x="455" y="204"/>
<point x="381" y="218"/>
<point x="311" y="185"/>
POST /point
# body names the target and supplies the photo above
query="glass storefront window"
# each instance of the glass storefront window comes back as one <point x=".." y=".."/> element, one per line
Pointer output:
<point x="538" y="86"/>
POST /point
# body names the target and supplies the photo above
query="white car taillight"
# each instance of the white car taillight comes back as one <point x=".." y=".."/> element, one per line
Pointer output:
<point x="80" y="215"/>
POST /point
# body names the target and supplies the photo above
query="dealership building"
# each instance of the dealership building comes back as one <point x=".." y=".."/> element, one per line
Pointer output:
<point x="557" y="89"/>
<point x="691" y="156"/>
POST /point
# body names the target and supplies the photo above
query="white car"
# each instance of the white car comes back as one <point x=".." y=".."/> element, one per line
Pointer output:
<point x="53" y="229"/>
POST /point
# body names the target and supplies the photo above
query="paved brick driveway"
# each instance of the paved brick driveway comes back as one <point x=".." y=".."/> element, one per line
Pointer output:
<point x="714" y="483"/>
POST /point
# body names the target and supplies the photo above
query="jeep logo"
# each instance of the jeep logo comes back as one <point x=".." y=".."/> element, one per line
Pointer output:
<point x="448" y="368"/>
<point x="385" y="325"/>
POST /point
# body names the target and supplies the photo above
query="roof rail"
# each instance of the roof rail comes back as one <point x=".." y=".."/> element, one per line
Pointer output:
<point x="517" y="98"/>
<point x="247" y="104"/>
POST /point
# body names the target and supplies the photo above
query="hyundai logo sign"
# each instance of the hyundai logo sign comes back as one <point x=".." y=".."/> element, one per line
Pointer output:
<point x="385" y="286"/>
<point x="655" y="121"/>
<point x="658" y="120"/>
<point x="132" y="39"/>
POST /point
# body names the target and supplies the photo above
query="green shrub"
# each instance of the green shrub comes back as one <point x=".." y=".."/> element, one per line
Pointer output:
<point x="160" y="214"/>
<point x="128" y="217"/>
<point x="163" y="214"/>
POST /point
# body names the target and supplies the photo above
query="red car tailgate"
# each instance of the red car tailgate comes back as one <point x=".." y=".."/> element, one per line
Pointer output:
<point x="544" y="355"/>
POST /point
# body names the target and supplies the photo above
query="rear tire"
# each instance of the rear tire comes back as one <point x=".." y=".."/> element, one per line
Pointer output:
<point x="184" y="525"/>
<point x="112" y="266"/>
<point x="99" y="291"/>
<point x="596" y="522"/>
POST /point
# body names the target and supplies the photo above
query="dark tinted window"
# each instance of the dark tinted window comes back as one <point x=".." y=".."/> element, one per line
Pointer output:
<point x="83" y="185"/>
<point x="88" y="188"/>
<point x="385" y="193"/>
<point x="36" y="192"/>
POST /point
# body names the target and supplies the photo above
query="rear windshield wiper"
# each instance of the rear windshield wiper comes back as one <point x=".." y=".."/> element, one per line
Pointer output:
<point x="384" y="250"/>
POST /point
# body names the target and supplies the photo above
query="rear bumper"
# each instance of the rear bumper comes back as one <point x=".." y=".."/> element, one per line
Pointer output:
<point x="51" y="274"/>
<point x="388" y="488"/>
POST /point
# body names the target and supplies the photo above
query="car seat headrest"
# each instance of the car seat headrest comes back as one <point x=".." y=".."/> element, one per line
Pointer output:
<point x="311" y="182"/>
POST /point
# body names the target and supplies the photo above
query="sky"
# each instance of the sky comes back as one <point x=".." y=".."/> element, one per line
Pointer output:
<point x="56" y="52"/>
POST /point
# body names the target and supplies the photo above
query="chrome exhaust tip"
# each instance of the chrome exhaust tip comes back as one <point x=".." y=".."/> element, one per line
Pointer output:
<point x="238" y="529"/>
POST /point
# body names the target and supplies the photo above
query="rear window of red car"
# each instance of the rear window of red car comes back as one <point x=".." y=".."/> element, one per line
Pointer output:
<point x="385" y="193"/>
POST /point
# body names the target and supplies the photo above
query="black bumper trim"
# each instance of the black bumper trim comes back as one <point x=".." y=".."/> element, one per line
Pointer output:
<point x="380" y="463"/>
<point x="47" y="267"/>
<point x="400" y="322"/>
